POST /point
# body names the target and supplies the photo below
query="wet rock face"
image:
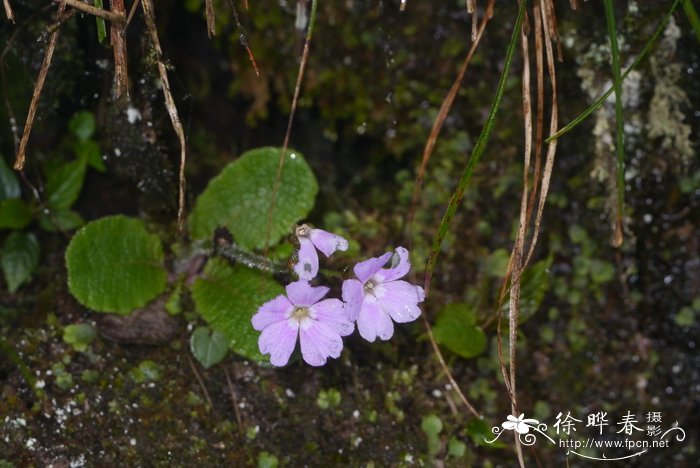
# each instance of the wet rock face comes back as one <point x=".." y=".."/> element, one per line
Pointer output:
<point x="150" y="325"/>
<point x="136" y="151"/>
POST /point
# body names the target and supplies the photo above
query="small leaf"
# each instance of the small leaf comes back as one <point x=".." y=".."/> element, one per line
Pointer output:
<point x="267" y="460"/>
<point x="60" y="220"/>
<point x="90" y="152"/>
<point x="9" y="185"/>
<point x="101" y="29"/>
<point x="457" y="330"/>
<point x="20" y="257"/>
<point x="64" y="185"/>
<point x="82" y="125"/>
<point x="456" y="448"/>
<point x="115" y="265"/>
<point x="227" y="297"/>
<point x="79" y="335"/>
<point x="239" y="198"/>
<point x="14" y="214"/>
<point x="208" y="347"/>
<point x="432" y="427"/>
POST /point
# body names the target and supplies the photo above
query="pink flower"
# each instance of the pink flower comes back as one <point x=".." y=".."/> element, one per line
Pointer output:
<point x="309" y="241"/>
<point x="376" y="296"/>
<point x="320" y="324"/>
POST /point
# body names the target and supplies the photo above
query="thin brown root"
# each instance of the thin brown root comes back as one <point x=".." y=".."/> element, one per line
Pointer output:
<point x="287" y="135"/>
<point x="132" y="12"/>
<point x="194" y="368"/>
<point x="211" y="20"/>
<point x="440" y="120"/>
<point x="121" y="75"/>
<point x="99" y="12"/>
<point x="8" y="10"/>
<point x="172" y="111"/>
<point x="43" y="71"/>
<point x="234" y="400"/>
<point x="443" y="364"/>
<point x="243" y="37"/>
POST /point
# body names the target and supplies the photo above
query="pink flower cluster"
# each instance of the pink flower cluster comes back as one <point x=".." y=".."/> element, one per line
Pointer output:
<point x="374" y="300"/>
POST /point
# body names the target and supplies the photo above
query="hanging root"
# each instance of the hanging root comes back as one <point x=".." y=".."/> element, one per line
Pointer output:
<point x="172" y="110"/>
<point x="43" y="71"/>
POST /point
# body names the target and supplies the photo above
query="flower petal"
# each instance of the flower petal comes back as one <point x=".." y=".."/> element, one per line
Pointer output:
<point x="373" y="322"/>
<point x="332" y="313"/>
<point x="399" y="271"/>
<point x="399" y="299"/>
<point x="365" y="270"/>
<point x="319" y="342"/>
<point x="327" y="242"/>
<point x="352" y="296"/>
<point x="278" y="340"/>
<point x="307" y="266"/>
<point x="302" y="294"/>
<point x="271" y="311"/>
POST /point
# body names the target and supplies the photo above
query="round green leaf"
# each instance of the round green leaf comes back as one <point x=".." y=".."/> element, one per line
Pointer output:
<point x="208" y="347"/>
<point x="20" y="256"/>
<point x="63" y="186"/>
<point x="239" y="198"/>
<point x="227" y="297"/>
<point x="115" y="265"/>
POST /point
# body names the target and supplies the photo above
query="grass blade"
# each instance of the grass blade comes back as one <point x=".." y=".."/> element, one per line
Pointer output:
<point x="692" y="15"/>
<point x="476" y="153"/>
<point x="619" y="120"/>
<point x="599" y="102"/>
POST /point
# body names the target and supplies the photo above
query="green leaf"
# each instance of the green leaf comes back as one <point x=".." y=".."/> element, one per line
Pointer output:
<point x="533" y="286"/>
<point x="267" y="460"/>
<point x="82" y="125"/>
<point x="9" y="185"/>
<point x="61" y="220"/>
<point x="101" y="29"/>
<point x="14" y="214"/>
<point x="457" y="330"/>
<point x="20" y="257"/>
<point x="456" y="448"/>
<point x="115" y="265"/>
<point x="90" y="152"/>
<point x="227" y="297"/>
<point x="63" y="186"/>
<point x="79" y="335"/>
<point x="239" y="198"/>
<point x="432" y="427"/>
<point x="208" y="347"/>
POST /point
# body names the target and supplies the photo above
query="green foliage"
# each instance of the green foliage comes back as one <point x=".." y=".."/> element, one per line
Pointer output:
<point x="20" y="257"/>
<point x="456" y="329"/>
<point x="227" y="297"/>
<point x="328" y="398"/>
<point x="115" y="265"/>
<point x="267" y="460"/>
<point x="14" y="214"/>
<point x="456" y="448"/>
<point x="82" y="125"/>
<point x="64" y="185"/>
<point x="240" y="196"/>
<point x="432" y="427"/>
<point x="208" y="347"/>
<point x="147" y="371"/>
<point x="9" y="185"/>
<point x="79" y="335"/>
